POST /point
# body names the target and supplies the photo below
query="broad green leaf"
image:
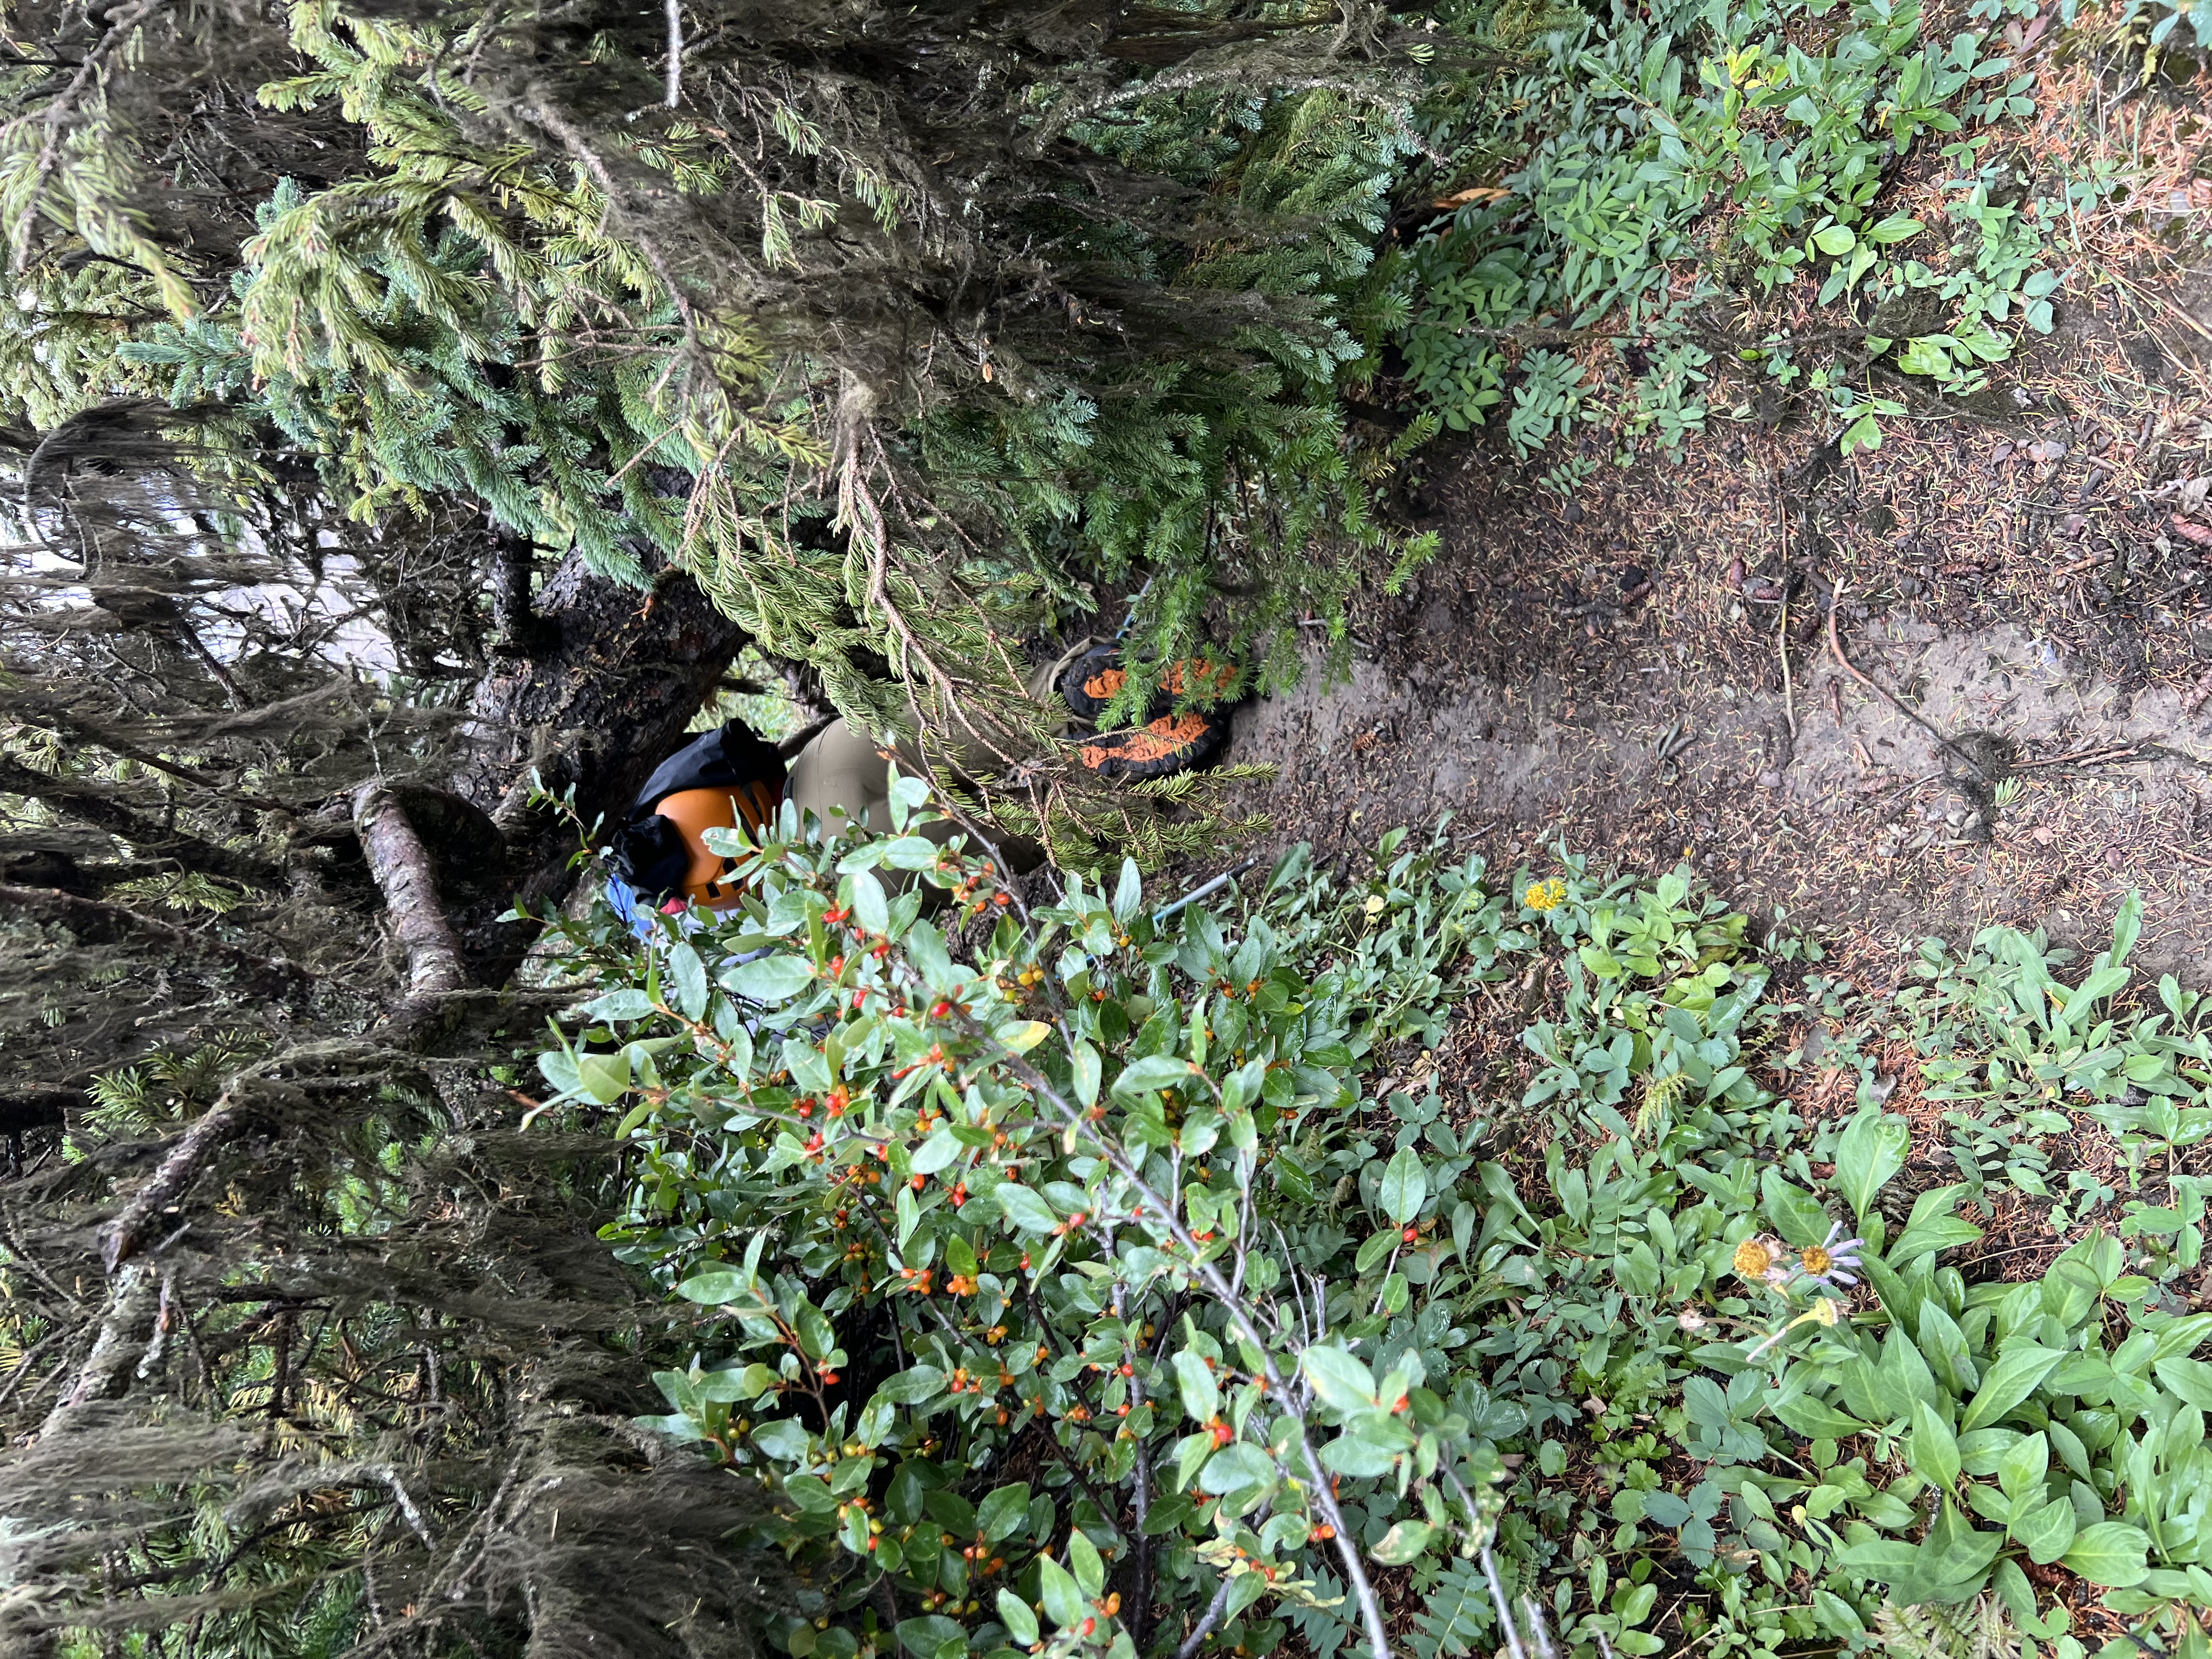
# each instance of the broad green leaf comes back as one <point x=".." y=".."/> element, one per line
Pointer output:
<point x="1885" y="1560"/>
<point x="2021" y="1468"/>
<point x="1152" y="1071"/>
<point x="1818" y="1420"/>
<point x="626" y="1002"/>
<point x="923" y="1636"/>
<point x="935" y="1153"/>
<point x="1244" y="1589"/>
<point x="1836" y="239"/>
<point x="914" y="1385"/>
<point x="690" y="975"/>
<point x="1868" y="1154"/>
<point x="1201" y="1396"/>
<point x="1024" y="1208"/>
<point x="1128" y="893"/>
<point x="1931" y="1226"/>
<point x="1017" y="1616"/>
<point x="2111" y="1553"/>
<point x="998" y="1515"/>
<point x="1341" y="1380"/>
<point x="2010" y="1381"/>
<point x="605" y="1077"/>
<point x="871" y="909"/>
<point x="2046" y="1533"/>
<point x="1019" y="1036"/>
<point x="2191" y="1380"/>
<point x="2127" y="926"/>
<point x="1082" y="1559"/>
<point x="1237" y="1466"/>
<point x="1955" y="1550"/>
<point x="1791" y="1210"/>
<point x="1063" y="1599"/>
<point x="1935" y="1448"/>
<point x="1405" y="1184"/>
<point x="912" y="853"/>
<point x="716" y="1287"/>
<point x="768" y="979"/>
<point x="1404" y="1542"/>
<point x="1082" y="1063"/>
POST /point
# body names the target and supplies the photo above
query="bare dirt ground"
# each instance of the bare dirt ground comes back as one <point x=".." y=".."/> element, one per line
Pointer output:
<point x="1608" y="672"/>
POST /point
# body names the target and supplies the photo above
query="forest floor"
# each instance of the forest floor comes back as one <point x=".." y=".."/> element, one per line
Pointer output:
<point x="1644" y="673"/>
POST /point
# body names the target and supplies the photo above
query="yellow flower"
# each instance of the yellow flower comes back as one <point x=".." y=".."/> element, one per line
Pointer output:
<point x="1816" y="1260"/>
<point x="1754" y="1260"/>
<point x="1822" y="1312"/>
<point x="1545" y="894"/>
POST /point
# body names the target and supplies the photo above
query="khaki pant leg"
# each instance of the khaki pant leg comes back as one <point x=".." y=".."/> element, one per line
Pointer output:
<point x="841" y="769"/>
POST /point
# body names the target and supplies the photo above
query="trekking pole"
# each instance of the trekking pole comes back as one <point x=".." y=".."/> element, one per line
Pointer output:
<point x="1129" y="616"/>
<point x="1197" y="893"/>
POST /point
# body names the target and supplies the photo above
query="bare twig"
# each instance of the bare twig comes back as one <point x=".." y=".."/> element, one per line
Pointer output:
<point x="1205" y="1627"/>
<point x="1836" y="650"/>
<point x="674" y="52"/>
<point x="122" y="1239"/>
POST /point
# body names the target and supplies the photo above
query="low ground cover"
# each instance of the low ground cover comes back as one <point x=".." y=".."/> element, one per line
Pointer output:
<point x="1100" y="1275"/>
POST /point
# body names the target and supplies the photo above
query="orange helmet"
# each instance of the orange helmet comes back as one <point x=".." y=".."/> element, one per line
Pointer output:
<point x="695" y="812"/>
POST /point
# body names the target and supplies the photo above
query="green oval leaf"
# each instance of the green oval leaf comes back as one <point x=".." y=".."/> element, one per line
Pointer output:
<point x="769" y="979"/>
<point x="1405" y="1184"/>
<point x="2111" y="1553"/>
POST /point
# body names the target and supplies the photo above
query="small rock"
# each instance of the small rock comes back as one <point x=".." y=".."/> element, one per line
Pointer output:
<point x="1770" y="778"/>
<point x="2074" y="524"/>
<point x="2114" y="857"/>
<point x="1572" y="512"/>
<point x="2001" y="454"/>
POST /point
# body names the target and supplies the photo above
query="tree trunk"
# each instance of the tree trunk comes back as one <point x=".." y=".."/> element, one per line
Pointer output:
<point x="617" y="678"/>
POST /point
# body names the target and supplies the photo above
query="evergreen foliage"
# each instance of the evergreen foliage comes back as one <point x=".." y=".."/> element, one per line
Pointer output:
<point x="903" y="331"/>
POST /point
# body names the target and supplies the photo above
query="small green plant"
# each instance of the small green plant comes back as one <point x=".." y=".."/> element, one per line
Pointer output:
<point x="1632" y="128"/>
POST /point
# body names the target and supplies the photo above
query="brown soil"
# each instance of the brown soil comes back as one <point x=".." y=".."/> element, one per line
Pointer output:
<point x="2039" y="612"/>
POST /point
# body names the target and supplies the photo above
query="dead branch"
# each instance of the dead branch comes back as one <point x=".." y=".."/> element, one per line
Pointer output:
<point x="98" y="806"/>
<point x="263" y="970"/>
<point x="407" y="879"/>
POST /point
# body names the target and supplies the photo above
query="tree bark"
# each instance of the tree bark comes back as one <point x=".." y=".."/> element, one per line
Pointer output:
<point x="522" y="633"/>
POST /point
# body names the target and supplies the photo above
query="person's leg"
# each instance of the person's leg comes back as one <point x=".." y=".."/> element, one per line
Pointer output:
<point x="841" y="769"/>
<point x="844" y="767"/>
